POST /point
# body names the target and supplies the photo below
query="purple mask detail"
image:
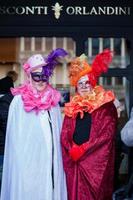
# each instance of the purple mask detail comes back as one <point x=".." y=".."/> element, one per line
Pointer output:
<point x="39" y="76"/>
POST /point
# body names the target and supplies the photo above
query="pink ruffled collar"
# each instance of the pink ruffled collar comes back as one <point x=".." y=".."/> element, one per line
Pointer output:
<point x="37" y="101"/>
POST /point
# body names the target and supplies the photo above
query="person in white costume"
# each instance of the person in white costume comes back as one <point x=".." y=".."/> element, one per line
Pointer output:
<point x="33" y="168"/>
<point x="127" y="131"/>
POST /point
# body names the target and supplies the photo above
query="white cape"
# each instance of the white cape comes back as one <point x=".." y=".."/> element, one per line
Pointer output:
<point x="28" y="155"/>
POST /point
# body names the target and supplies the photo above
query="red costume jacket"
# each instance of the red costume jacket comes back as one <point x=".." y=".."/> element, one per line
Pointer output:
<point x="91" y="176"/>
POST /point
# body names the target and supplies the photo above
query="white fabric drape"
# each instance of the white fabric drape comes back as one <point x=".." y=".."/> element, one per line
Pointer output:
<point x="27" y="171"/>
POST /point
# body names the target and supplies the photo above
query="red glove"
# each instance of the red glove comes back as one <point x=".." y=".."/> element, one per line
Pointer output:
<point x="76" y="152"/>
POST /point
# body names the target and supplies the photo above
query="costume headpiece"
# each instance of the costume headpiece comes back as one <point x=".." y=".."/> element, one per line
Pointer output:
<point x="80" y="67"/>
<point x="48" y="64"/>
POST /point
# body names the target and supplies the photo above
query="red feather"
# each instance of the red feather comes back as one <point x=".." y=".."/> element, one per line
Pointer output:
<point x="101" y="62"/>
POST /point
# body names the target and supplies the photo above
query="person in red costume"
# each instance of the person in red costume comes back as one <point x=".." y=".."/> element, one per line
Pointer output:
<point x="88" y="132"/>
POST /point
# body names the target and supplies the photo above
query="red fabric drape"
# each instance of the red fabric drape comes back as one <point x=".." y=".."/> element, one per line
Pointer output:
<point x="91" y="177"/>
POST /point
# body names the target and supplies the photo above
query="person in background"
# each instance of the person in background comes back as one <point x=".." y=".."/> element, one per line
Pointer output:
<point x="5" y="99"/>
<point x="120" y="148"/>
<point x="127" y="131"/>
<point x="33" y="168"/>
<point x="13" y="75"/>
<point x="127" y="138"/>
<point x="88" y="132"/>
<point x="7" y="82"/>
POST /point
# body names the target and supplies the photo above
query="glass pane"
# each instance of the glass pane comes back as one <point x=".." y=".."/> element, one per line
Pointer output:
<point x="48" y="44"/>
<point x="27" y="44"/>
<point x="59" y="43"/>
<point x="70" y="44"/>
<point x="95" y="44"/>
<point x="117" y="46"/>
<point x="120" y="47"/>
<point x="106" y="43"/>
<point x="38" y="44"/>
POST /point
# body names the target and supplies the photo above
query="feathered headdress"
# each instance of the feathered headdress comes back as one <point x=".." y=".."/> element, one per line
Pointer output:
<point x="52" y="61"/>
<point x="80" y="67"/>
<point x="48" y="64"/>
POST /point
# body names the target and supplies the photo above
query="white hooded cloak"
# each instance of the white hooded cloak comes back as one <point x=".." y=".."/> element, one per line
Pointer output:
<point x="33" y="161"/>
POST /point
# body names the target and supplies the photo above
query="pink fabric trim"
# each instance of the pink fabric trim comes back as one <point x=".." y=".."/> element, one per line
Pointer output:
<point x="26" y="67"/>
<point x="37" y="101"/>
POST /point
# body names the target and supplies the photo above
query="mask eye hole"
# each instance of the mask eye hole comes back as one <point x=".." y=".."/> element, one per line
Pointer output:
<point x="87" y="83"/>
<point x="44" y="79"/>
<point x="37" y="76"/>
<point x="84" y="84"/>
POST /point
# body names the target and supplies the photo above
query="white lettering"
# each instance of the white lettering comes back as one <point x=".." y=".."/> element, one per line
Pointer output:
<point x="78" y="10"/>
<point x="122" y="11"/>
<point x="85" y="11"/>
<point x="10" y="10"/>
<point x="29" y="10"/>
<point x="2" y="10"/>
<point x="93" y="11"/>
<point x="20" y="10"/>
<point x="110" y="10"/>
<point x="70" y="10"/>
<point x="116" y="10"/>
<point x="129" y="11"/>
<point x="41" y="10"/>
<point x="101" y="10"/>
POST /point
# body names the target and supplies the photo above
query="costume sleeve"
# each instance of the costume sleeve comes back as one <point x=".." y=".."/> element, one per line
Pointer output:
<point x="106" y="127"/>
<point x="127" y="132"/>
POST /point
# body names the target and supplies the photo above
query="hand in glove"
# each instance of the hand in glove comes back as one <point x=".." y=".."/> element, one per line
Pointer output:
<point x="76" y="152"/>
